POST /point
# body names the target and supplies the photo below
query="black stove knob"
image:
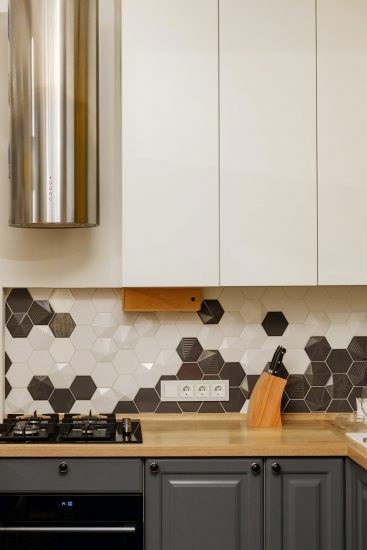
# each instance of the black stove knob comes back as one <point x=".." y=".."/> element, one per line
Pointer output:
<point x="63" y="468"/>
<point x="154" y="468"/>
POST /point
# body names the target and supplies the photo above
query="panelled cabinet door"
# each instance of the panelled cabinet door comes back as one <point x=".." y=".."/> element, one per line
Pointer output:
<point x="304" y="504"/>
<point x="268" y="186"/>
<point x="205" y="504"/>
<point x="356" y="506"/>
<point x="342" y="141"/>
<point x="170" y="210"/>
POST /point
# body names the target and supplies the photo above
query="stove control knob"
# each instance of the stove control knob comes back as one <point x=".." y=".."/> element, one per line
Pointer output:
<point x="63" y="468"/>
<point x="154" y="468"/>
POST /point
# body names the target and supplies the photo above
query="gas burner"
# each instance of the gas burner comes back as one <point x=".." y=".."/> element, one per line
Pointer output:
<point x="26" y="428"/>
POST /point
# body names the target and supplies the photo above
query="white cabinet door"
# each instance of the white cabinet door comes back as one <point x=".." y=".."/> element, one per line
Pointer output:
<point x="170" y="143"/>
<point x="342" y="141"/>
<point x="268" y="142"/>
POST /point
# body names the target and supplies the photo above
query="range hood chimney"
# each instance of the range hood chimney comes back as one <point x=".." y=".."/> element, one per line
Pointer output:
<point x="53" y="95"/>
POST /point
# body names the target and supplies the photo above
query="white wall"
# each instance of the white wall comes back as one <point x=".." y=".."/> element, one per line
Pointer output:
<point x="67" y="257"/>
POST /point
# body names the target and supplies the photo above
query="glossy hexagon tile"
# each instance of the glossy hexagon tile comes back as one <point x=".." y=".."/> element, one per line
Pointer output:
<point x="65" y="335"/>
<point x="61" y="400"/>
<point x="40" y="388"/>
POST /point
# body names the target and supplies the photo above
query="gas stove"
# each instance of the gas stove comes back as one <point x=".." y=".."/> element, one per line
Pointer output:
<point x="71" y="428"/>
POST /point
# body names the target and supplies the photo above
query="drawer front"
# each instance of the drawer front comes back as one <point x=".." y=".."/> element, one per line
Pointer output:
<point x="82" y="474"/>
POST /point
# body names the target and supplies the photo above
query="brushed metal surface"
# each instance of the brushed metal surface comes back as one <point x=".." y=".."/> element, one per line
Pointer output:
<point x="53" y="96"/>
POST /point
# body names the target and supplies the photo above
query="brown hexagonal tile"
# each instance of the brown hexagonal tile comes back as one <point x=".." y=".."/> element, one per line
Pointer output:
<point x="317" y="348"/>
<point x="62" y="400"/>
<point x="189" y="371"/>
<point x="339" y="360"/>
<point x="83" y="387"/>
<point x="19" y="325"/>
<point x="236" y="400"/>
<point x="146" y="400"/>
<point x="40" y="388"/>
<point x="233" y="372"/>
<point x="41" y="312"/>
<point x="19" y="300"/>
<point x="210" y="362"/>
<point x="189" y="349"/>
<point x="62" y="325"/>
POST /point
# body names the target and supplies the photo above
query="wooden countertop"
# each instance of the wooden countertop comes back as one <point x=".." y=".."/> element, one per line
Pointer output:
<point x="214" y="435"/>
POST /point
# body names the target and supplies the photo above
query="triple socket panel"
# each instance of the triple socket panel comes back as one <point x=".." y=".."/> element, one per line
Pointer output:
<point x="195" y="390"/>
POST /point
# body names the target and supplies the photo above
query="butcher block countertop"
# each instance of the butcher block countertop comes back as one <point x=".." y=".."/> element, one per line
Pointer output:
<point x="213" y="435"/>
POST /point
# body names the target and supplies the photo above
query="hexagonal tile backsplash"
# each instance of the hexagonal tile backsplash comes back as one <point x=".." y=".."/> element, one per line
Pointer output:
<point x="75" y="350"/>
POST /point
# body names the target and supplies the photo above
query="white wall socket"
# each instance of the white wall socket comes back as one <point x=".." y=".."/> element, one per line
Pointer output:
<point x="195" y="390"/>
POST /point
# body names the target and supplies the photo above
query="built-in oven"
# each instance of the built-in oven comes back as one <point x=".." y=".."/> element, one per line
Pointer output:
<point x="71" y="521"/>
<point x="73" y="503"/>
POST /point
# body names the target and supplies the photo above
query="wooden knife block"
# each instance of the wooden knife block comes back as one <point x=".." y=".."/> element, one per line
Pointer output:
<point x="266" y="397"/>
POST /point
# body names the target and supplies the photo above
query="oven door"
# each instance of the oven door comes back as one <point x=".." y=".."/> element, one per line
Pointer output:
<point x="45" y="522"/>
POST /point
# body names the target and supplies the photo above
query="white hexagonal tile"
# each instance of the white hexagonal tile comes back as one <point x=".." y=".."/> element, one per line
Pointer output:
<point x="230" y="354"/>
<point x="19" y="375"/>
<point x="168" y="337"/>
<point x="338" y="310"/>
<point x="19" y="400"/>
<point x="167" y="317"/>
<point x="339" y="336"/>
<point x="41" y="337"/>
<point x="357" y="323"/>
<point x="147" y="375"/>
<point x="253" y="292"/>
<point x="295" y="292"/>
<point x="317" y="323"/>
<point x="104" y="375"/>
<point x="40" y="293"/>
<point x="316" y="298"/>
<point x="62" y="350"/>
<point x="295" y="311"/>
<point x="189" y="325"/>
<point x="253" y="312"/>
<point x="41" y="407"/>
<point x="272" y="342"/>
<point x="146" y="324"/>
<point x="232" y="298"/>
<point x="232" y="323"/>
<point x="296" y="361"/>
<point x="62" y="300"/>
<point x="104" y="300"/>
<point x="211" y="293"/>
<point x="125" y="337"/>
<point x="274" y="299"/>
<point x="104" y="350"/>
<point x="104" y="400"/>
<point x="83" y="337"/>
<point x="295" y="336"/>
<point x="123" y="317"/>
<point x="83" y="312"/>
<point x="40" y="362"/>
<point x="253" y="336"/>
<point x="168" y="362"/>
<point x="8" y="338"/>
<point x="83" y="362"/>
<point x="211" y="336"/>
<point x="147" y="350"/>
<point x="104" y="325"/>
<point x="338" y="291"/>
<point x="62" y="375"/>
<point x="357" y="298"/>
<point x="83" y="407"/>
<point x="125" y="361"/>
<point x="126" y="387"/>
<point x="82" y="293"/>
<point x="254" y="360"/>
<point x="18" y="349"/>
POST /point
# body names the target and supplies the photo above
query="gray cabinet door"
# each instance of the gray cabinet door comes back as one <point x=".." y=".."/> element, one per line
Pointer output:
<point x="356" y="509"/>
<point x="304" y="507"/>
<point x="204" y="504"/>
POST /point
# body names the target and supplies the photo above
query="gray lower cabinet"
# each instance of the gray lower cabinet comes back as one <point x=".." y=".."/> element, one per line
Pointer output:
<point x="356" y="508"/>
<point x="304" y="504"/>
<point x="203" y="504"/>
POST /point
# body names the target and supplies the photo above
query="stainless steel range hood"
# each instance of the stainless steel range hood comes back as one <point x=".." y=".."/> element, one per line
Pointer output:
<point x="53" y="52"/>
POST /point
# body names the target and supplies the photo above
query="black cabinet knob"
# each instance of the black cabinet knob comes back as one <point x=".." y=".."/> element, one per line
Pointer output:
<point x="154" y="467"/>
<point x="63" y="468"/>
<point x="255" y="467"/>
<point x="276" y="468"/>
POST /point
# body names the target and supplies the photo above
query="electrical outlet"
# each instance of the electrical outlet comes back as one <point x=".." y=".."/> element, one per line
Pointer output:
<point x="195" y="390"/>
<point x="186" y="390"/>
<point x="202" y="390"/>
<point x="219" y="389"/>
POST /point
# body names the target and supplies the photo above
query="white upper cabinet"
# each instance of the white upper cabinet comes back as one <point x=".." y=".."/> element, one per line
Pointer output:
<point x="342" y="141"/>
<point x="170" y="203"/>
<point x="268" y="186"/>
